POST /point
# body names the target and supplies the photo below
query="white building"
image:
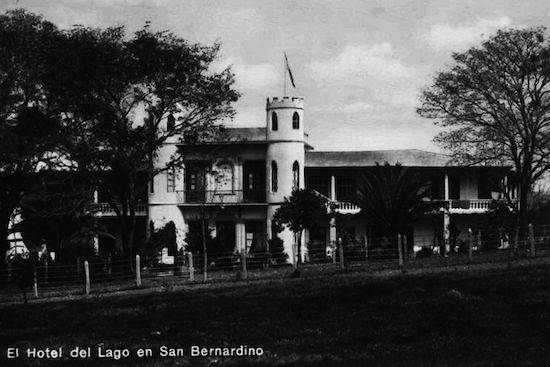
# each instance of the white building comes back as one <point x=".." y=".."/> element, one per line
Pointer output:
<point x="239" y="182"/>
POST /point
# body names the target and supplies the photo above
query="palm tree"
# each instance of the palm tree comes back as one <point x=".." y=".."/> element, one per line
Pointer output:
<point x="391" y="197"/>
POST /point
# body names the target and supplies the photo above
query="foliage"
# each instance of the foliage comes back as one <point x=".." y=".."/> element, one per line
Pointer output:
<point x="22" y="273"/>
<point x="391" y="197"/>
<point x="118" y="94"/>
<point x="277" y="250"/>
<point x="494" y="103"/>
<point x="163" y="237"/>
<point x="28" y="118"/>
<point x="303" y="209"/>
<point x="54" y="209"/>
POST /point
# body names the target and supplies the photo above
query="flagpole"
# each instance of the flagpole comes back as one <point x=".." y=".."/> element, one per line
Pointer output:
<point x="284" y="76"/>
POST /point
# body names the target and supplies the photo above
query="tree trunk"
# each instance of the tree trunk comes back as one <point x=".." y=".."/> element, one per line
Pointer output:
<point x="524" y="190"/>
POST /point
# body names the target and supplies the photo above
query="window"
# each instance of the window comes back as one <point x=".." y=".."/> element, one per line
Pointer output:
<point x="274" y="182"/>
<point x="171" y="180"/>
<point x="171" y="122"/>
<point x="295" y="121"/>
<point x="295" y="176"/>
<point x="274" y="121"/>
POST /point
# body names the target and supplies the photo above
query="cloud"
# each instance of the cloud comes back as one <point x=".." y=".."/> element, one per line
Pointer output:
<point x="361" y="62"/>
<point x="446" y="37"/>
<point x="253" y="77"/>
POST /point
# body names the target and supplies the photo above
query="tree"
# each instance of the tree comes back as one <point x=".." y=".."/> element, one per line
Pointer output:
<point x="303" y="209"/>
<point x="391" y="198"/>
<point x="29" y="128"/>
<point x="495" y="103"/>
<point x="125" y="98"/>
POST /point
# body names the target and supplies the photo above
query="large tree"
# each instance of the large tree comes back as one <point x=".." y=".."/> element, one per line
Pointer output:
<point x="29" y="128"/>
<point x="494" y="104"/>
<point x="391" y="198"/>
<point x="125" y="98"/>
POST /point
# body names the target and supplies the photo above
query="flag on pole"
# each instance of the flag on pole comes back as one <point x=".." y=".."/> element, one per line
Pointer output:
<point x="289" y="72"/>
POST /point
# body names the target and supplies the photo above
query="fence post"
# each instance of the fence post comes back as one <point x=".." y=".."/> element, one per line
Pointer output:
<point x="244" y="271"/>
<point x="405" y="248"/>
<point x="366" y="248"/>
<point x="87" y="274"/>
<point x="479" y="239"/>
<point x="191" y="268"/>
<point x="78" y="269"/>
<point x="341" y="253"/>
<point x="35" y="285"/>
<point x="400" y="250"/>
<point x="138" y="271"/>
<point x="532" y="239"/>
<point x="470" y="244"/>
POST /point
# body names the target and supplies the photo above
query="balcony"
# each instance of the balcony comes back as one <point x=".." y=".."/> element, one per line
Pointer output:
<point x="347" y="208"/>
<point x="472" y="206"/>
<point x="105" y="210"/>
<point x="221" y="197"/>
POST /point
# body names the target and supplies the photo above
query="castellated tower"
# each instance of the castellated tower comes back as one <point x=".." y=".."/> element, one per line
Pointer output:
<point x="285" y="156"/>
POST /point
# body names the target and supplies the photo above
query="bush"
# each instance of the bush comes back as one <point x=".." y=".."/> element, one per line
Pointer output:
<point x="424" y="252"/>
<point x="277" y="251"/>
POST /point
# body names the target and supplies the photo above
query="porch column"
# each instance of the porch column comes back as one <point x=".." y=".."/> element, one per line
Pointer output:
<point x="447" y="186"/>
<point x="332" y="231"/>
<point x="447" y="232"/>
<point x="332" y="188"/>
<point x="240" y="235"/>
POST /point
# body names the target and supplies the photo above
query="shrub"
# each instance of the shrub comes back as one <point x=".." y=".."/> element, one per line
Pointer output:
<point x="424" y="252"/>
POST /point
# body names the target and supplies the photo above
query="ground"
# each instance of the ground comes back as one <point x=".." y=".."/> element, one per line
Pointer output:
<point x="494" y="317"/>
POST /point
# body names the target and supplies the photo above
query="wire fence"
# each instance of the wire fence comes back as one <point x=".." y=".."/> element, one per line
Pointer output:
<point x="97" y="275"/>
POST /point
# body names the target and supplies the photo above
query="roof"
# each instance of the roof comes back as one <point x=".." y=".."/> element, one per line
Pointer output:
<point x="406" y="157"/>
<point x="241" y="135"/>
<point x="248" y="134"/>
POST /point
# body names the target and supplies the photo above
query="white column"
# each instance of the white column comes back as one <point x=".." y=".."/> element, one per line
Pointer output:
<point x="447" y="232"/>
<point x="333" y="188"/>
<point x="240" y="235"/>
<point x="446" y="186"/>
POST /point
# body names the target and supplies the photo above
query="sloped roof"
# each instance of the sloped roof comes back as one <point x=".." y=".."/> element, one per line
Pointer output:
<point x="248" y="134"/>
<point x="407" y="157"/>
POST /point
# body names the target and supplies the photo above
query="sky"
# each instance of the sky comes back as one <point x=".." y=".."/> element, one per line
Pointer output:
<point x="360" y="65"/>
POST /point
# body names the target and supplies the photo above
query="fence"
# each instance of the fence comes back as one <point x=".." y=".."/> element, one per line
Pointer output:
<point x="96" y="275"/>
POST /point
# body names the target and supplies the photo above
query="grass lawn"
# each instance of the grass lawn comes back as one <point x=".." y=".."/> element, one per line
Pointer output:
<point x="485" y="318"/>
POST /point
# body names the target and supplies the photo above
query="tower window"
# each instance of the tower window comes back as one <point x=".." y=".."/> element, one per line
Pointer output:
<point x="295" y="121"/>
<point x="295" y="176"/>
<point x="274" y="122"/>
<point x="171" y="122"/>
<point x="274" y="178"/>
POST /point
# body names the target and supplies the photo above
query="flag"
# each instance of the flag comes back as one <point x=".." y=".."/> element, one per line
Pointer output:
<point x="289" y="72"/>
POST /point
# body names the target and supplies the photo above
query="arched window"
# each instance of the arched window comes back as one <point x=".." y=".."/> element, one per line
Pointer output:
<point x="295" y="176"/>
<point x="171" y="122"/>
<point x="274" y="122"/>
<point x="274" y="178"/>
<point x="295" y="121"/>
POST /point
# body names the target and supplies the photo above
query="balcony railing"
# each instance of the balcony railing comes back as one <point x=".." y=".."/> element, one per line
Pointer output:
<point x="105" y="209"/>
<point x="454" y="206"/>
<point x="220" y="197"/>
<point x="469" y="206"/>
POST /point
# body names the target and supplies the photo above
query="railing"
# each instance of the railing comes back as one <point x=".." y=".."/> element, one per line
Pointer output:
<point x="105" y="209"/>
<point x="472" y="205"/>
<point x="348" y="208"/>
<point x="220" y="196"/>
